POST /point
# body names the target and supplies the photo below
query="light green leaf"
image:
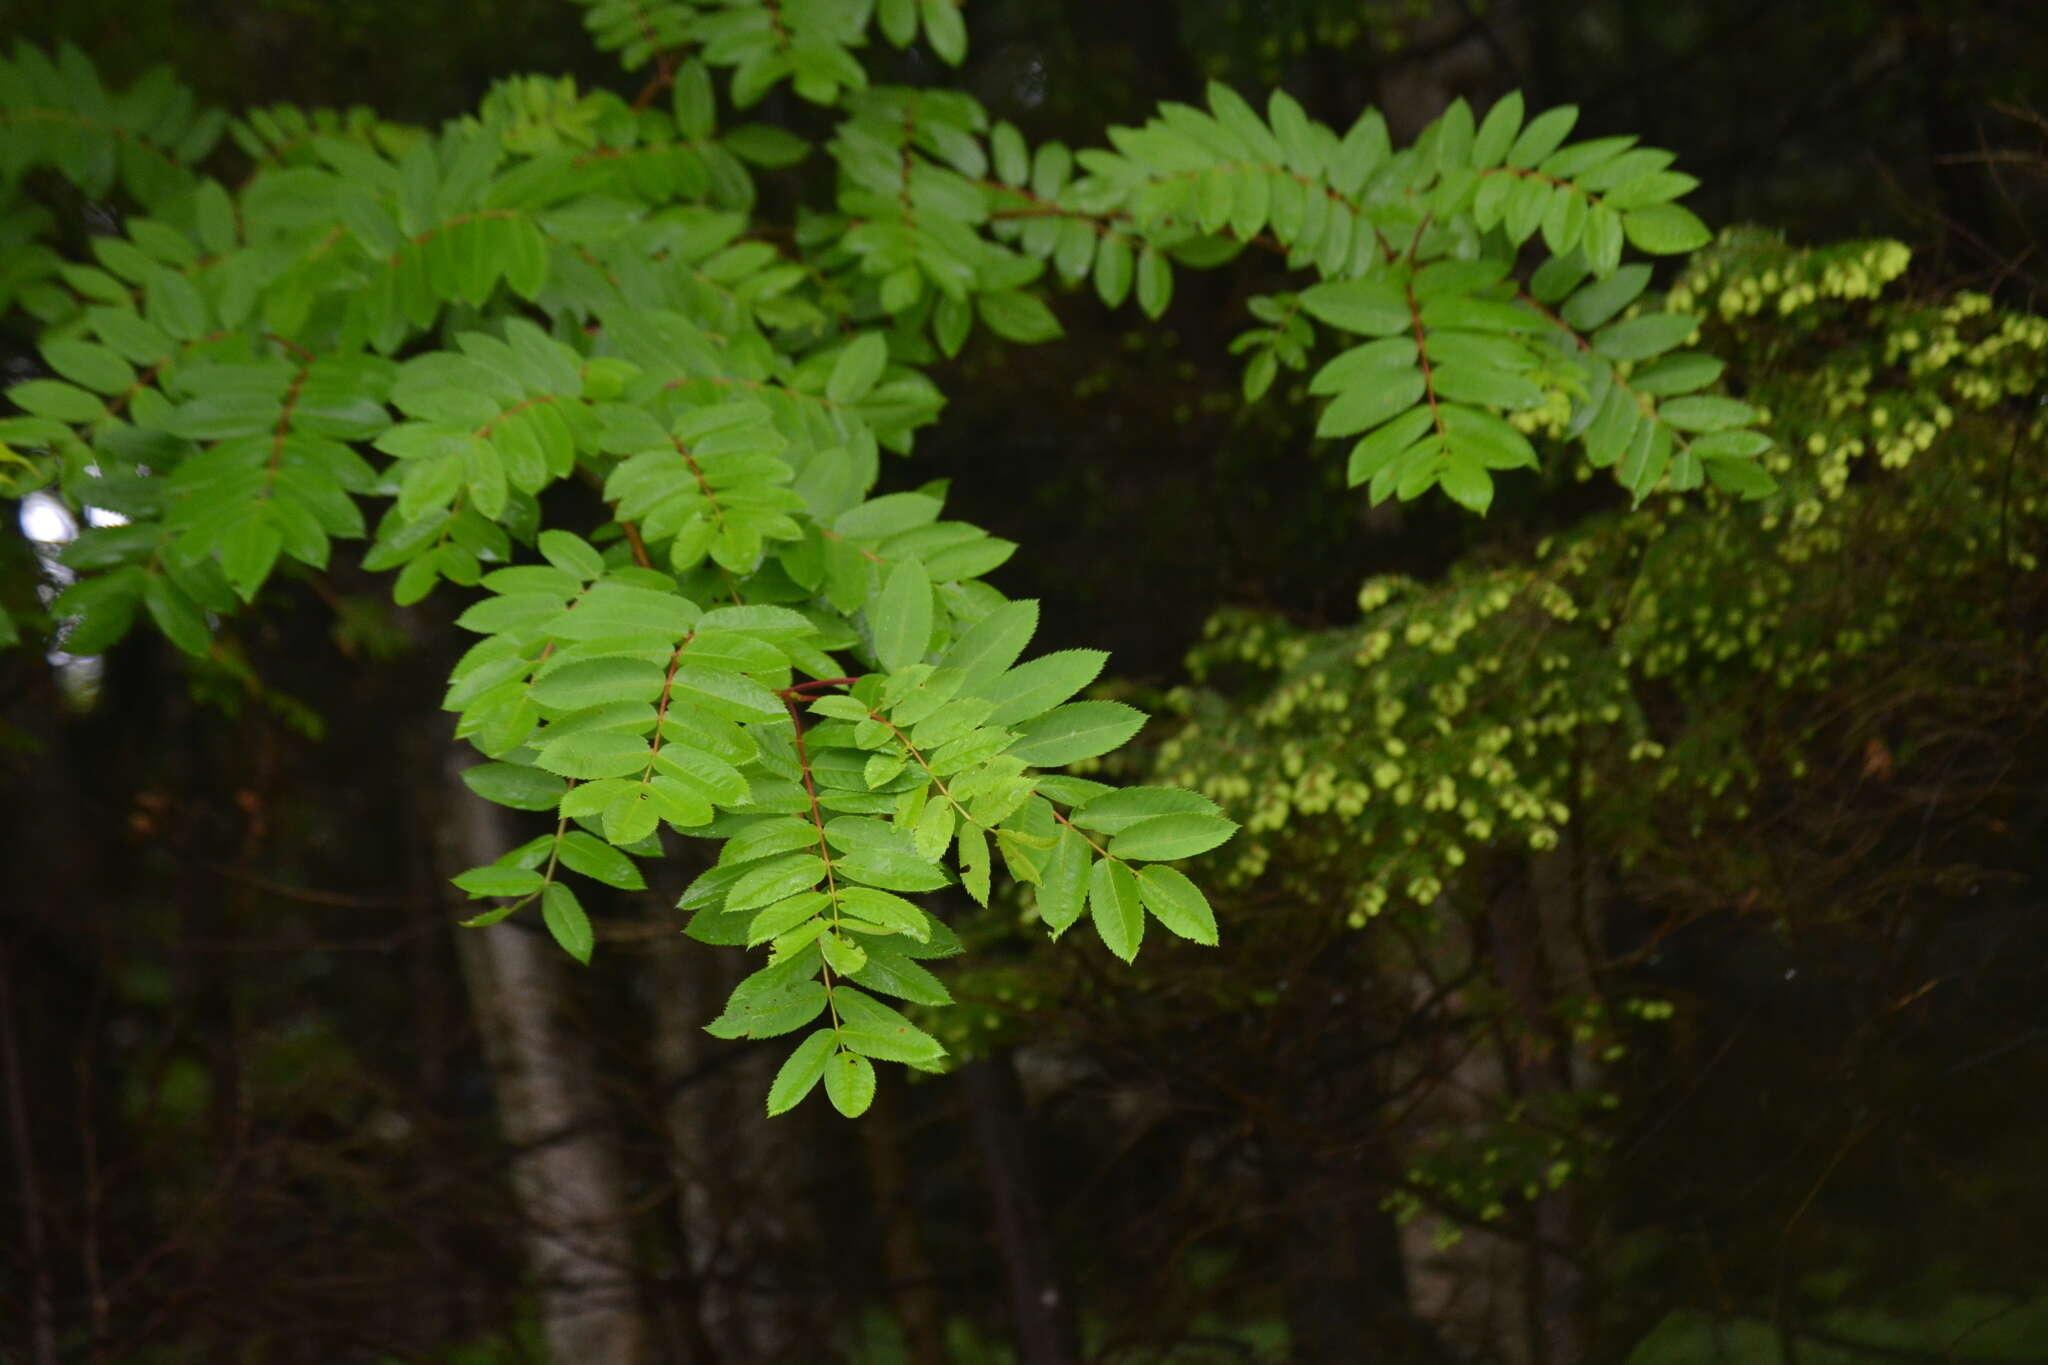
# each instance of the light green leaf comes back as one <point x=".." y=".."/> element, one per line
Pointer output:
<point x="858" y="367"/>
<point x="588" y="754"/>
<point x="1640" y="338"/>
<point x="993" y="643"/>
<point x="892" y="973"/>
<point x="586" y="853"/>
<point x="1114" y="905"/>
<point x="1164" y="837"/>
<point x="892" y="869"/>
<point x="515" y="785"/>
<point x="1078" y="730"/>
<point x="765" y="145"/>
<point x="175" y="614"/>
<point x="1063" y="885"/>
<point x="874" y="1030"/>
<point x="1543" y="136"/>
<point x="1602" y="299"/>
<point x="842" y="954"/>
<point x="1467" y="483"/>
<point x="1378" y="450"/>
<point x="775" y="920"/>
<point x="886" y="910"/>
<point x="571" y="553"/>
<point x="850" y="1083"/>
<point x="1116" y="810"/>
<point x="500" y="881"/>
<point x="1113" y="270"/>
<point x="633" y="814"/>
<point x="1376" y="400"/>
<point x="1497" y="133"/>
<point x="1706" y="412"/>
<point x="705" y="773"/>
<point x="1741" y="444"/>
<point x="247" y="553"/>
<point x="1155" y="282"/>
<point x="1743" y="477"/>
<point x="1177" y="903"/>
<point x="775" y="880"/>
<point x="1368" y="307"/>
<point x="598" y="682"/>
<point x="801" y="1071"/>
<point x="901" y="618"/>
<point x="563" y="914"/>
<point x="1665" y="229"/>
<point x="90" y="364"/>
<point x="1035" y="687"/>
<point x="729" y="696"/>
<point x="1017" y="316"/>
<point x="945" y="29"/>
<point x="1680" y="372"/>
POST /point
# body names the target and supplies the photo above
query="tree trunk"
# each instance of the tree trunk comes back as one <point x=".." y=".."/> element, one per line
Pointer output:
<point x="1346" y="1289"/>
<point x="1002" y="1124"/>
<point x="565" y="1170"/>
<point x="1511" y="1296"/>
<point x="749" y="1237"/>
<point x="913" y="1287"/>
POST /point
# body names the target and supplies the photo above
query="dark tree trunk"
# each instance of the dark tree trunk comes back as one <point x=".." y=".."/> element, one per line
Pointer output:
<point x="1002" y="1130"/>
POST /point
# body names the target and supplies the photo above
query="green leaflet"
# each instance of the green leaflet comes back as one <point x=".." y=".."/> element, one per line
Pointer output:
<point x="901" y="618"/>
<point x="564" y="917"/>
<point x="1369" y="307"/>
<point x="585" y="853"/>
<point x="774" y="880"/>
<point x="886" y="910"/>
<point x="1171" y="836"/>
<point x="499" y="881"/>
<point x="1642" y="337"/>
<point x="1076" y="731"/>
<point x="993" y="643"/>
<point x="596" y="682"/>
<point x="515" y="785"/>
<point x="1035" y="687"/>
<point x="1114" y="905"/>
<point x="801" y="1071"/>
<point x="1177" y="903"/>
<point x="850" y="1083"/>
<point x="872" y="1029"/>
<point x="1063" y="885"/>
<point x="891" y="972"/>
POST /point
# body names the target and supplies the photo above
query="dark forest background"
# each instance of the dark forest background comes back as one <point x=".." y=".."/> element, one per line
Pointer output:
<point x="245" y="1079"/>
